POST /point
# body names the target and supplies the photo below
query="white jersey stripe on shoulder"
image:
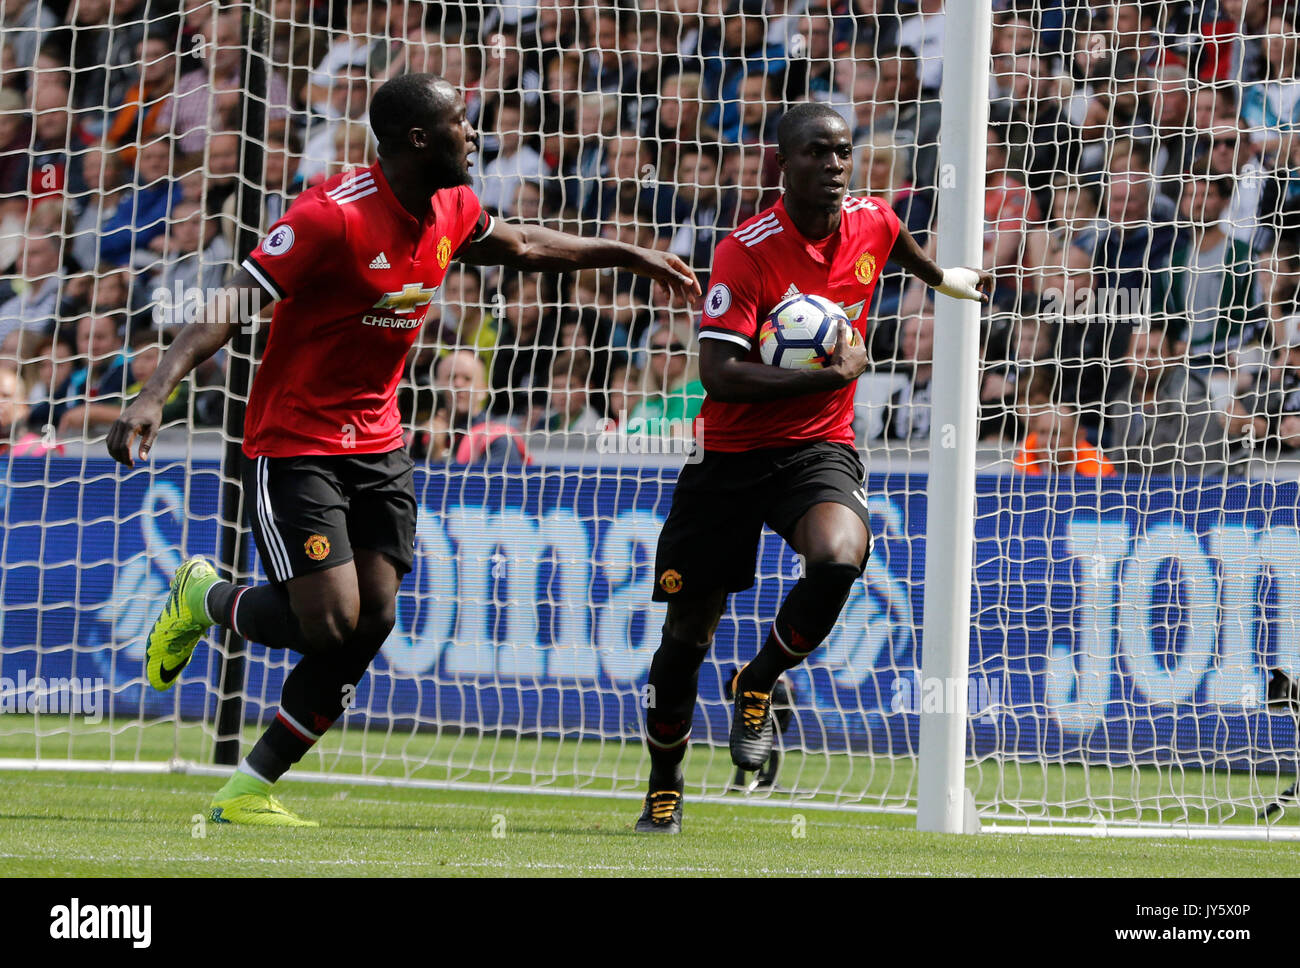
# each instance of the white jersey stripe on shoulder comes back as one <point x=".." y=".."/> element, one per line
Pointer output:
<point x="263" y="279"/>
<point x="355" y="195"/>
<point x="349" y="184"/>
<point x="754" y="226"/>
<point x="759" y="226"/>
<point x="729" y="337"/>
<point x="768" y="234"/>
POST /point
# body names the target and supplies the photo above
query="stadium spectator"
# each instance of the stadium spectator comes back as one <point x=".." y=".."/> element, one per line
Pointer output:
<point x="351" y="47"/>
<point x="15" y="439"/>
<point x="745" y="194"/>
<point x="106" y="186"/>
<point x="1020" y="354"/>
<point x="1270" y="107"/>
<point x="697" y="207"/>
<point x="54" y="358"/>
<point x="146" y="352"/>
<point x="1055" y="443"/>
<point x="651" y="56"/>
<point x="464" y="319"/>
<point x="599" y="37"/>
<point x="1161" y="421"/>
<point x="906" y="115"/>
<point x="529" y="205"/>
<point x="1233" y="153"/>
<point x="568" y="407"/>
<point x="922" y="32"/>
<point x="627" y="178"/>
<point x="1265" y="421"/>
<point x="909" y="410"/>
<point x="855" y="85"/>
<point x="462" y="429"/>
<point x="208" y="101"/>
<point x="1168" y="96"/>
<point x="141" y="213"/>
<point x="275" y="196"/>
<point x="349" y="98"/>
<point x="1220" y="56"/>
<point x="882" y="171"/>
<point x="744" y="50"/>
<point x="146" y="110"/>
<point x="623" y="392"/>
<point x="36" y="296"/>
<point x="679" y="118"/>
<point x="1213" y="276"/>
<point x="195" y="256"/>
<point x="1131" y="253"/>
<point x="673" y="391"/>
<point x="1038" y="131"/>
<point x="523" y="348"/>
<point x="810" y="72"/>
<point x="55" y="140"/>
<point x="15" y="141"/>
<point x="98" y="358"/>
<point x="1010" y="211"/>
<point x="497" y="182"/>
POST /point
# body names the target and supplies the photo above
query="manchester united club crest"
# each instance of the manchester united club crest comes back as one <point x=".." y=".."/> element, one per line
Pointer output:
<point x="865" y="268"/>
<point x="671" y="581"/>
<point x="317" y="547"/>
<point x="444" y="252"/>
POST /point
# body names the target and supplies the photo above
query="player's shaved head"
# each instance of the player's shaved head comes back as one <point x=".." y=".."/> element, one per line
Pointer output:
<point x="797" y="123"/>
<point x="405" y="102"/>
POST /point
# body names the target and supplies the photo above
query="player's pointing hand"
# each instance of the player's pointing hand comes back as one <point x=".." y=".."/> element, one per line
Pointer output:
<point x="141" y="419"/>
<point x="670" y="271"/>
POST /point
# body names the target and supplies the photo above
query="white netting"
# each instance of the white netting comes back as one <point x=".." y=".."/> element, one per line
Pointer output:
<point x="1137" y="554"/>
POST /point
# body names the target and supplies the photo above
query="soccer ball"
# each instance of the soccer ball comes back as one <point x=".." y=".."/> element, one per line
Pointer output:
<point x="800" y="333"/>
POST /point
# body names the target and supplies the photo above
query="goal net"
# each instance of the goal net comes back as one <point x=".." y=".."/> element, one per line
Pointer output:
<point x="1134" y="637"/>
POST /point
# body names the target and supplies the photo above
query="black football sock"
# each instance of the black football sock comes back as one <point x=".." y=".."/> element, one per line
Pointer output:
<point x="670" y="704"/>
<point x="260" y="613"/>
<point x="806" y="617"/>
<point x="315" y="694"/>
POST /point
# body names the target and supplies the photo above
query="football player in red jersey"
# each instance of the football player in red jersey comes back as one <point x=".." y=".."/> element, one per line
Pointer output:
<point x="777" y="445"/>
<point x="352" y="267"/>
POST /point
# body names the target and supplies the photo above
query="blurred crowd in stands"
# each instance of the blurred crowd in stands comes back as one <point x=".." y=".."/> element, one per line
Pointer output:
<point x="1142" y="206"/>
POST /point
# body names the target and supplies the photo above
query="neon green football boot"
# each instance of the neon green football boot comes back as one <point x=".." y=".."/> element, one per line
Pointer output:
<point x="247" y="800"/>
<point x="180" y="626"/>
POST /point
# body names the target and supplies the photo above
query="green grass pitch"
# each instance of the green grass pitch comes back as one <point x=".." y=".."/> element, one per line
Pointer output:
<point x="88" y="824"/>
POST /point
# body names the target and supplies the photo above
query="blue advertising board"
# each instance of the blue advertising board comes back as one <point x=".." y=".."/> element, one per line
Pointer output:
<point x="1112" y="621"/>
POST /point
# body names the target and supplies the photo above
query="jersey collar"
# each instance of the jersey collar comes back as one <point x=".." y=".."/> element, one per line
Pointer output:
<point x="398" y="209"/>
<point x="819" y="250"/>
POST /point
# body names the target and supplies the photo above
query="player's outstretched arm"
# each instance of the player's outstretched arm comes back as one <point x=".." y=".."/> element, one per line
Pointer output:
<point x="215" y="325"/>
<point x="729" y="378"/>
<point x="541" y="249"/>
<point x="958" y="282"/>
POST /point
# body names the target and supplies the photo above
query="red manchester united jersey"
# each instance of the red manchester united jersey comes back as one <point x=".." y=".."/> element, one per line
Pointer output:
<point x="352" y="273"/>
<point x="758" y="266"/>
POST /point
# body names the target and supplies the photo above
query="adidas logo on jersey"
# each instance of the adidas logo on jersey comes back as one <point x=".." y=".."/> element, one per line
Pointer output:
<point x="380" y="262"/>
<point x="792" y="291"/>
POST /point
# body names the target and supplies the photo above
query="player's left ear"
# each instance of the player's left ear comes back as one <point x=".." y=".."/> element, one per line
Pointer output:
<point x="418" y="138"/>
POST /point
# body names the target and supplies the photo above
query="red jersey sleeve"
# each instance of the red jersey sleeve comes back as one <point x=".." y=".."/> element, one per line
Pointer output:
<point x="731" y="305"/>
<point x="884" y="220"/>
<point x="306" y="240"/>
<point x="475" y="222"/>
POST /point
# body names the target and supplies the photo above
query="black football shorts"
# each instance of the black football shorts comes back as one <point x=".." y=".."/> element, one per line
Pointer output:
<point x="720" y="505"/>
<point x="309" y="513"/>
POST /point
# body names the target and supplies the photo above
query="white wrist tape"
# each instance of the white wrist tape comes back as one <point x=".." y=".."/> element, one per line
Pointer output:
<point x="960" y="283"/>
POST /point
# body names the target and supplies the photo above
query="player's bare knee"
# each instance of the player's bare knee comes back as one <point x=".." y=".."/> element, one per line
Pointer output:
<point x="375" y="624"/>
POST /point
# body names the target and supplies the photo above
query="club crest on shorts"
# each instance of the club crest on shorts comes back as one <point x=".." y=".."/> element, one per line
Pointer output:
<point x="444" y="252"/>
<point x="671" y="581"/>
<point x="865" y="268"/>
<point x="317" y="547"/>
